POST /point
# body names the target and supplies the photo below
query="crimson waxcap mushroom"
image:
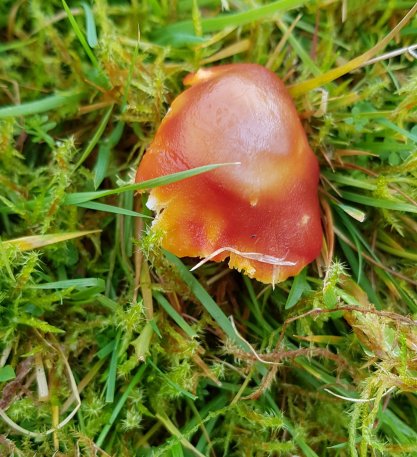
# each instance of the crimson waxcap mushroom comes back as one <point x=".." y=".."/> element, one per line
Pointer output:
<point x="264" y="213"/>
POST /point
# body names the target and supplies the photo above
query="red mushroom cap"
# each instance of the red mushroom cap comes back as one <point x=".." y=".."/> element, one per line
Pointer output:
<point x="264" y="213"/>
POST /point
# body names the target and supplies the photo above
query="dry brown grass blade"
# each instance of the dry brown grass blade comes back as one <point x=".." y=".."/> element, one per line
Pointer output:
<point x="27" y="243"/>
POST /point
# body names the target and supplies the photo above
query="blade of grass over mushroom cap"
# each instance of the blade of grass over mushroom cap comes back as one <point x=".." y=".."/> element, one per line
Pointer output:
<point x="111" y="209"/>
<point x="82" y="197"/>
<point x="305" y="86"/>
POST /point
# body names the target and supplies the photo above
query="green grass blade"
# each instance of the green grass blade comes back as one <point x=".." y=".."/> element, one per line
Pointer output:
<point x="220" y="22"/>
<point x="352" y="211"/>
<point x="354" y="266"/>
<point x="349" y="181"/>
<point x="80" y="35"/>
<point x="67" y="283"/>
<point x="104" y="152"/>
<point x="302" y="53"/>
<point x="174" y="315"/>
<point x="96" y="137"/>
<point x="379" y="202"/>
<point x="106" y="350"/>
<point x="41" y="106"/>
<point x="107" y="302"/>
<point x="397" y="129"/>
<point x="112" y="209"/>
<point x="299" y="286"/>
<point x="111" y="377"/>
<point x="352" y="232"/>
<point x="103" y="160"/>
<point x="178" y="388"/>
<point x="119" y="405"/>
<point x="209" y="304"/>
<point x="255" y="308"/>
<point x="90" y="25"/>
<point x="12" y="45"/>
<point x="401" y="430"/>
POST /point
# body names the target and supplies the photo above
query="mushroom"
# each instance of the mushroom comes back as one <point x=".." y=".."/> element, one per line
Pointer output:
<point x="263" y="213"/>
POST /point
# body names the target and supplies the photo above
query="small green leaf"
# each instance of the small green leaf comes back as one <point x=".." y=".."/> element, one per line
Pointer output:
<point x="330" y="297"/>
<point x="394" y="159"/>
<point x="177" y="451"/>
<point x="143" y="341"/>
<point x="7" y="373"/>
<point x="299" y="285"/>
<point x="356" y="213"/>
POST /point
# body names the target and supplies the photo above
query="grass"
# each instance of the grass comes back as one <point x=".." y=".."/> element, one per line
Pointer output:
<point x="109" y="345"/>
